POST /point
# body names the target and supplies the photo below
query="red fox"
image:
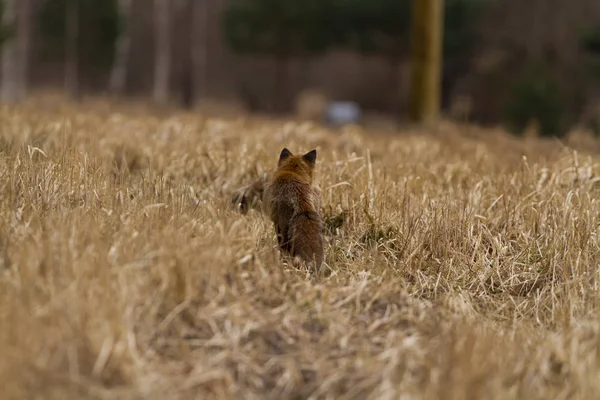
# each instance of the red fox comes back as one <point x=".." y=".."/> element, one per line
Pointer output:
<point x="292" y="203"/>
<point x="294" y="207"/>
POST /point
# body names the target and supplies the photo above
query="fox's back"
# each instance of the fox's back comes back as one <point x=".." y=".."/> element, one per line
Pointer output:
<point x="294" y="207"/>
<point x="287" y="189"/>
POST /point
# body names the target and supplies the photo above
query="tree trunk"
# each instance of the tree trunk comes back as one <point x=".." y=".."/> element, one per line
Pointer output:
<point x="118" y="75"/>
<point x="426" y="59"/>
<point x="187" y="80"/>
<point x="23" y="47"/>
<point x="395" y="82"/>
<point x="199" y="48"/>
<point x="72" y="49"/>
<point x="194" y="65"/>
<point x="281" y="83"/>
<point x="9" y="90"/>
<point x="162" y="67"/>
<point x="15" y="51"/>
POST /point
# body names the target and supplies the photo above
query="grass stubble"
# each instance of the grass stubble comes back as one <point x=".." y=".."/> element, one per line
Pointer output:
<point x="460" y="264"/>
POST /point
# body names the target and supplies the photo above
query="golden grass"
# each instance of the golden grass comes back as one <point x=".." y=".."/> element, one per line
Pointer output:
<point x="456" y="268"/>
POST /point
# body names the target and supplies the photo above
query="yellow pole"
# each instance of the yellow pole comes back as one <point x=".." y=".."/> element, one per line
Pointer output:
<point x="426" y="59"/>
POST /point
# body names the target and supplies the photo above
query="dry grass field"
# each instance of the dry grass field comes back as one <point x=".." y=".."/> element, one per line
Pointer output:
<point x="460" y="263"/>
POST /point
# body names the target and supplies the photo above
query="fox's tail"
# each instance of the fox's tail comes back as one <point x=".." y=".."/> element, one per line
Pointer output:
<point x="306" y="238"/>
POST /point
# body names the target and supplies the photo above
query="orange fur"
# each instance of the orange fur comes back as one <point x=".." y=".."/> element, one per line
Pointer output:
<point x="293" y="205"/>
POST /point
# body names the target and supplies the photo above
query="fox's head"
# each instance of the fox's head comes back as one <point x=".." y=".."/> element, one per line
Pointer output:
<point x="301" y="165"/>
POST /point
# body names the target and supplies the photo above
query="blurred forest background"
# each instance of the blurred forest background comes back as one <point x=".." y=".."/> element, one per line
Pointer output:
<point x="509" y="62"/>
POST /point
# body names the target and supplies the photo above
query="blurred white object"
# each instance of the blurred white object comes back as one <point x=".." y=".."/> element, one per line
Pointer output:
<point x="343" y="112"/>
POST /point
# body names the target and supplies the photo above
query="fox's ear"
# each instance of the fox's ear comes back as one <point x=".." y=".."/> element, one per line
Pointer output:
<point x="310" y="157"/>
<point x="285" y="153"/>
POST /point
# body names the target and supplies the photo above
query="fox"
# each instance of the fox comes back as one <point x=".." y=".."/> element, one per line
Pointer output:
<point x="288" y="197"/>
<point x="294" y="205"/>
